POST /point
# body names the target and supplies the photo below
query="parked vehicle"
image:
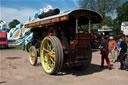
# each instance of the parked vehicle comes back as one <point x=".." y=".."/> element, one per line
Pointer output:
<point x="3" y="40"/>
<point x="60" y="41"/>
<point x="124" y="28"/>
<point x="11" y="43"/>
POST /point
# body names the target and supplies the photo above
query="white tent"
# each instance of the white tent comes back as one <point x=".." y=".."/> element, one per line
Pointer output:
<point x="124" y="27"/>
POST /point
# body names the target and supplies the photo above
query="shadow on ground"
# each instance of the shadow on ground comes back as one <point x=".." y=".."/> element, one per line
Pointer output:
<point x="93" y="68"/>
<point x="1" y="82"/>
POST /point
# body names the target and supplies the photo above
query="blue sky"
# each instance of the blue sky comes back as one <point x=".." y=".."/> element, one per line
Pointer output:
<point x="37" y="4"/>
<point x="21" y="9"/>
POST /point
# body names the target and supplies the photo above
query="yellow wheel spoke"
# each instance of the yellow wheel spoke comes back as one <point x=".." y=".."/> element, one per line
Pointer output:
<point x="32" y="57"/>
<point x="48" y="65"/>
<point x="51" y="65"/>
<point x="33" y="54"/>
<point x="45" y="59"/>
<point x="46" y="50"/>
<point x="52" y="51"/>
<point x="53" y="56"/>
<point x="49" y="46"/>
<point x="52" y="60"/>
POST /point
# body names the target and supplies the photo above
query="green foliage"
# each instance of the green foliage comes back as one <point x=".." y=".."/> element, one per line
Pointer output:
<point x="104" y="7"/>
<point x="108" y="21"/>
<point x="13" y="23"/>
<point x="88" y="4"/>
<point x="122" y="15"/>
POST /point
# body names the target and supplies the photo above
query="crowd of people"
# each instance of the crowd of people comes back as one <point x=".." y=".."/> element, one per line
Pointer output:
<point x="110" y="47"/>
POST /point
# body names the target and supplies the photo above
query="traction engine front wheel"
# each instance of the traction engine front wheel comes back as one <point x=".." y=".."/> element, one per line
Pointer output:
<point x="33" y="55"/>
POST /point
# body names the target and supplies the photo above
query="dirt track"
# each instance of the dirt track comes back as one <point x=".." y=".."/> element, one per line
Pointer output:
<point x="16" y="70"/>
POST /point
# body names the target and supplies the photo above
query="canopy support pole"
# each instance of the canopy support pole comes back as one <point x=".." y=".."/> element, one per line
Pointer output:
<point x="89" y="30"/>
<point x="76" y="25"/>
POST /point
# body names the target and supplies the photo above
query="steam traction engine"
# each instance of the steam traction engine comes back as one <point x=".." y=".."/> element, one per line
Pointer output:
<point x="59" y="39"/>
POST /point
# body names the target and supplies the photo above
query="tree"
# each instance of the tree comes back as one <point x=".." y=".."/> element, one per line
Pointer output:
<point x="13" y="23"/>
<point x="116" y="26"/>
<point x="108" y="21"/>
<point x="104" y="7"/>
<point x="122" y="15"/>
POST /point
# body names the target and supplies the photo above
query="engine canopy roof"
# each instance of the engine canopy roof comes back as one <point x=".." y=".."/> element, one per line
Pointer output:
<point x="83" y="15"/>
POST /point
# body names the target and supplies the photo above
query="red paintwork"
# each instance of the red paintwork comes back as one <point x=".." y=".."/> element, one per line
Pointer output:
<point x="73" y="43"/>
<point x="62" y="42"/>
<point x="39" y="52"/>
<point x="82" y="47"/>
<point x="50" y="21"/>
<point x="3" y="42"/>
<point x="3" y="34"/>
<point x="50" y="34"/>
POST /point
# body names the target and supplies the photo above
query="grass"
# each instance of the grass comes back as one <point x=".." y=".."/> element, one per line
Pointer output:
<point x="12" y="48"/>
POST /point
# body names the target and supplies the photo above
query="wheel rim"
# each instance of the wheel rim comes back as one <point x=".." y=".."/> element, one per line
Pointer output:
<point x="31" y="56"/>
<point x="48" y="55"/>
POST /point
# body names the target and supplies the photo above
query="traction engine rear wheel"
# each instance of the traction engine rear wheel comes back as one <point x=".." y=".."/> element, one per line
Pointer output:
<point x="51" y="53"/>
<point x="33" y="56"/>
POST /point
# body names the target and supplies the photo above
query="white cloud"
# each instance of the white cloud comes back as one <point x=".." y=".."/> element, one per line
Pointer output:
<point x="8" y="14"/>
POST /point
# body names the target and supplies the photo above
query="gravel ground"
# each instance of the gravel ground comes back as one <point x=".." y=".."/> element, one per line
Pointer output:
<point x="16" y="70"/>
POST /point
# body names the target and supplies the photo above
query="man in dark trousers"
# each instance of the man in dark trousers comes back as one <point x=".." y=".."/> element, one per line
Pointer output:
<point x="123" y="51"/>
<point x="104" y="53"/>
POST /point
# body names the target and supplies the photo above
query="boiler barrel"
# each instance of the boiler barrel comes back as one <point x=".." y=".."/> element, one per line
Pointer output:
<point x="49" y="13"/>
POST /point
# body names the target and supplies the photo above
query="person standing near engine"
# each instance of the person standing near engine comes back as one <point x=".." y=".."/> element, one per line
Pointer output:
<point x="104" y="53"/>
<point x="111" y="48"/>
<point x="123" y="51"/>
<point x="118" y="49"/>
